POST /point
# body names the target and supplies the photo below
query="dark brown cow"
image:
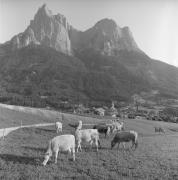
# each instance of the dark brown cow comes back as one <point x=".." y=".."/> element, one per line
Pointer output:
<point x="159" y="129"/>
<point x="102" y="129"/>
<point x="125" y="136"/>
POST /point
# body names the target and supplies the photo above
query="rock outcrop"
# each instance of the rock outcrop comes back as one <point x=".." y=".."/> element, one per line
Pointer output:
<point x="46" y="29"/>
<point x="108" y="38"/>
<point x="54" y="31"/>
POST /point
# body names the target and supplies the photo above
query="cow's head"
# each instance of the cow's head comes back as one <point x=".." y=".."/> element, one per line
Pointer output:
<point x="113" y="143"/>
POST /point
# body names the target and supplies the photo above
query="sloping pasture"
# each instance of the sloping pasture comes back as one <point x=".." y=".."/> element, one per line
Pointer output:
<point x="15" y="115"/>
<point x="22" y="152"/>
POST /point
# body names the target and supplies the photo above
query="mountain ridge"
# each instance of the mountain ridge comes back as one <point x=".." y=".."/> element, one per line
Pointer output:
<point x="55" y="31"/>
<point x="54" y="60"/>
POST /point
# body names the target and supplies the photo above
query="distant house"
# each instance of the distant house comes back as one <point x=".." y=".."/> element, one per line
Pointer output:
<point x="128" y="109"/>
<point x="176" y="119"/>
<point x="112" y="111"/>
<point x="80" y="109"/>
<point x="43" y="97"/>
<point x="48" y="108"/>
<point x="114" y="115"/>
<point x="99" y="111"/>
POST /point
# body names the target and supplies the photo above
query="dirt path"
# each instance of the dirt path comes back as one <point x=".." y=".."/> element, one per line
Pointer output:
<point x="5" y="131"/>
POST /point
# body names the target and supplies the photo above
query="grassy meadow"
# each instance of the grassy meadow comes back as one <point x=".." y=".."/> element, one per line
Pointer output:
<point x="22" y="152"/>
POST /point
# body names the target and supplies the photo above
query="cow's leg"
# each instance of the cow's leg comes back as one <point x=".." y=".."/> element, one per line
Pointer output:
<point x="123" y="145"/>
<point x="73" y="153"/>
<point x="78" y="145"/>
<point x="56" y="155"/>
<point x="91" y="142"/>
<point x="46" y="160"/>
<point x="133" y="144"/>
<point x="69" y="151"/>
<point x="77" y="148"/>
<point x="96" y="143"/>
<point x="99" y="143"/>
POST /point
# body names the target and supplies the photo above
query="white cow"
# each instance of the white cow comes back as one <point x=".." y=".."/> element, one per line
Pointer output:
<point x="87" y="135"/>
<point x="63" y="143"/>
<point x="58" y="126"/>
<point x="79" y="125"/>
<point x="117" y="126"/>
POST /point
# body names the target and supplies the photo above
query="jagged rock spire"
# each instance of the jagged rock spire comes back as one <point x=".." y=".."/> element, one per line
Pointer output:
<point x="46" y="29"/>
<point x="54" y="31"/>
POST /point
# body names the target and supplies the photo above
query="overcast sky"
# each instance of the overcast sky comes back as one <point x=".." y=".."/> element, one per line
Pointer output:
<point x="154" y="23"/>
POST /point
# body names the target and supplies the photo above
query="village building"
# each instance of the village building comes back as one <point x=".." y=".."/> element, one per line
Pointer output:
<point x="112" y="111"/>
<point x="99" y="111"/>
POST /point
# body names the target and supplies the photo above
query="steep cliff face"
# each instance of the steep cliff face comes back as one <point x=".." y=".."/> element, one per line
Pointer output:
<point x="46" y="29"/>
<point x="54" y="31"/>
<point x="106" y="37"/>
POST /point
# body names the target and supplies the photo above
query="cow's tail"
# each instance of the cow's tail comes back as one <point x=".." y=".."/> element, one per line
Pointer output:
<point x="108" y="131"/>
<point x="73" y="148"/>
<point x="49" y="150"/>
<point x="48" y="153"/>
<point x="136" y="140"/>
<point x="98" y="139"/>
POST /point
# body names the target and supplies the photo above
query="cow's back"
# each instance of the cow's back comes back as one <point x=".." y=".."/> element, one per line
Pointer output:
<point x="64" y="142"/>
<point x="86" y="134"/>
<point x="124" y="136"/>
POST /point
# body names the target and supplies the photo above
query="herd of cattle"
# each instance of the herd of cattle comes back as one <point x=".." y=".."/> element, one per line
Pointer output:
<point x="69" y="142"/>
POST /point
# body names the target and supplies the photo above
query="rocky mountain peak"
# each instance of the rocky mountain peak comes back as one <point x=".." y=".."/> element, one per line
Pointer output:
<point x="43" y="10"/>
<point x="106" y="23"/>
<point x="54" y="31"/>
<point x="45" y="29"/>
<point x="108" y="38"/>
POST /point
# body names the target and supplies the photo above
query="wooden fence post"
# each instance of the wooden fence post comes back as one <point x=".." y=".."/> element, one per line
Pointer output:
<point x="4" y="133"/>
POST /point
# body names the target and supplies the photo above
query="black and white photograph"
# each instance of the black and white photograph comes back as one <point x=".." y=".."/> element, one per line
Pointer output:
<point x="89" y="89"/>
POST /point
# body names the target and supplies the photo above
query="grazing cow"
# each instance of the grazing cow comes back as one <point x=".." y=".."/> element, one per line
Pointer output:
<point x="125" y="136"/>
<point x="103" y="129"/>
<point x="63" y="143"/>
<point x="159" y="129"/>
<point x="87" y="135"/>
<point x="77" y="125"/>
<point x="117" y="126"/>
<point x="73" y="125"/>
<point x="58" y="126"/>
